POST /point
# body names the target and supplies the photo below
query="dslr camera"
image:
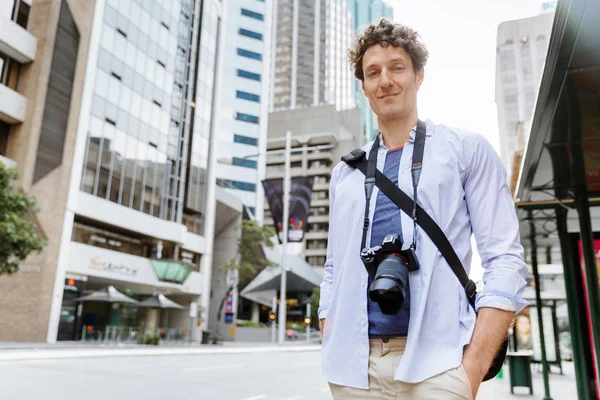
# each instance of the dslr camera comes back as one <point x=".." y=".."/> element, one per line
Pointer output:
<point x="388" y="265"/>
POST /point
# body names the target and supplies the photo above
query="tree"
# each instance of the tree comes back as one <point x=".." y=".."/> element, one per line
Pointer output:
<point x="18" y="235"/>
<point x="314" y="305"/>
<point x="249" y="260"/>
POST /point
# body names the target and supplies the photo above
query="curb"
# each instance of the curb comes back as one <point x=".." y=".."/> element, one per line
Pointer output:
<point x="94" y="353"/>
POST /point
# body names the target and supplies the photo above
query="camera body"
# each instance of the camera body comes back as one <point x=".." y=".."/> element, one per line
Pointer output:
<point x="388" y="265"/>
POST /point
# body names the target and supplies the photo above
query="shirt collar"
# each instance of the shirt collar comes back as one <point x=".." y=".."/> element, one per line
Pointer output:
<point x="412" y="133"/>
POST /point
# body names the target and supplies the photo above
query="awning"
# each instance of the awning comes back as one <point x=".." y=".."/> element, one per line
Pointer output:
<point x="172" y="270"/>
<point x="160" y="301"/>
<point x="566" y="124"/>
<point x="300" y="275"/>
<point x="107" y="295"/>
<point x="559" y="180"/>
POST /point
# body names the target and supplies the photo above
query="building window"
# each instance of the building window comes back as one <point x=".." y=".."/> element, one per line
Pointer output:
<point x="242" y="162"/>
<point x="106" y="239"/>
<point x="4" y="135"/>
<point x="21" y="13"/>
<point x="250" y="34"/>
<point x="248" y="75"/>
<point x="246" y="118"/>
<point x="10" y="71"/>
<point x="245" y="140"/>
<point x="246" y="186"/>
<point x="252" y="14"/>
<point x="249" y="54"/>
<point x="247" y="96"/>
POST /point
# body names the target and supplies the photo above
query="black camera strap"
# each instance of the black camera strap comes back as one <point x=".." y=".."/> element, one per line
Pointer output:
<point x="370" y="179"/>
<point x="420" y="217"/>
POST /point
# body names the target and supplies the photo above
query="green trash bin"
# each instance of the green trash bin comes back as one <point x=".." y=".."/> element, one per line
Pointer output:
<point x="519" y="365"/>
<point x="205" y="337"/>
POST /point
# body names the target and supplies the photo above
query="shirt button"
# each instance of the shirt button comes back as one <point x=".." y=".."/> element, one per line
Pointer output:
<point x="364" y="323"/>
<point x="364" y="284"/>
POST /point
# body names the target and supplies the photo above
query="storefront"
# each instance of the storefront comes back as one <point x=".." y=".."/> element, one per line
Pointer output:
<point x="558" y="194"/>
<point x="138" y="269"/>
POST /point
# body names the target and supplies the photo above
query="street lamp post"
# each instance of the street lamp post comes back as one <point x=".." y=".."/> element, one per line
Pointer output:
<point x="287" y="179"/>
<point x="284" y="240"/>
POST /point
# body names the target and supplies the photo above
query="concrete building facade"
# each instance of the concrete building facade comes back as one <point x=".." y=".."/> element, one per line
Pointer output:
<point x="117" y="145"/>
<point x="521" y="48"/>
<point x="18" y="49"/>
<point x="339" y="132"/>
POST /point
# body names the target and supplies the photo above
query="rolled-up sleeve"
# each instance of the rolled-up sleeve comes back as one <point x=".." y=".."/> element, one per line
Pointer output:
<point x="495" y="226"/>
<point x="327" y="283"/>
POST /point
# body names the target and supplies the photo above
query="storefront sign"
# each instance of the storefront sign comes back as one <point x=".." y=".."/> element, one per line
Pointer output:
<point x="91" y="261"/>
<point x="70" y="286"/>
<point x="29" y="269"/>
<point x="106" y="265"/>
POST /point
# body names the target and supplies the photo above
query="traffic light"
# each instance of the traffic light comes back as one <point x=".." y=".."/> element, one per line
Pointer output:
<point x="271" y="316"/>
<point x="307" y="320"/>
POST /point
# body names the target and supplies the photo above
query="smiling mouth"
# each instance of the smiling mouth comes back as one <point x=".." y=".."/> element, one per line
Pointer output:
<point x="388" y="95"/>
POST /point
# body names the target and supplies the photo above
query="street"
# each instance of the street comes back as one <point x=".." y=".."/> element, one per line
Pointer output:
<point x="211" y="376"/>
<point x="236" y="376"/>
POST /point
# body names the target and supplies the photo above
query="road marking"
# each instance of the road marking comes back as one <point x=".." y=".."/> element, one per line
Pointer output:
<point x="213" y="367"/>
<point x="260" y="396"/>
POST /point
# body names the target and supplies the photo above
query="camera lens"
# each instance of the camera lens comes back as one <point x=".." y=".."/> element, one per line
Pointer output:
<point x="388" y="289"/>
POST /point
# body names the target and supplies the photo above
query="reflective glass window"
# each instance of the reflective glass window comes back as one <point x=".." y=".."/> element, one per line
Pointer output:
<point x="249" y="54"/>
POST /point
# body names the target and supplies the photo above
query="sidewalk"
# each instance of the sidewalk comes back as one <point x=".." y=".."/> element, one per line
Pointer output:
<point x="562" y="387"/>
<point x="10" y="351"/>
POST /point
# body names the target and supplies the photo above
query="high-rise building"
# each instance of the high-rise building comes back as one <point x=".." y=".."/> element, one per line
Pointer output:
<point x="114" y="135"/>
<point x="365" y="13"/>
<point x="521" y="49"/>
<point x="335" y="133"/>
<point x="245" y="100"/>
<point x="310" y="67"/>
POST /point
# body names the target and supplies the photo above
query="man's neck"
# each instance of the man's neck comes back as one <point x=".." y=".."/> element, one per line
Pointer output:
<point x="396" y="132"/>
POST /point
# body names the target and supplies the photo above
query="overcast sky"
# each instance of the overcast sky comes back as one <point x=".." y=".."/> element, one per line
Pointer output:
<point x="460" y="75"/>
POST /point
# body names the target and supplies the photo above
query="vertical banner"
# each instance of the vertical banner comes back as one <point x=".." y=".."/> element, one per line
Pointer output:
<point x="300" y="195"/>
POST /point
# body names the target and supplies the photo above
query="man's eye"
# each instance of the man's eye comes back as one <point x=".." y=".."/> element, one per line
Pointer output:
<point x="372" y="73"/>
<point x="399" y="68"/>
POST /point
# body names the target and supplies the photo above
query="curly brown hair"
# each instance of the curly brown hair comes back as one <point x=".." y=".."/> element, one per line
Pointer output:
<point x="384" y="34"/>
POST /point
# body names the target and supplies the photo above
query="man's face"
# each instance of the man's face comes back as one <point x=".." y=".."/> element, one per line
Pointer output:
<point x="390" y="81"/>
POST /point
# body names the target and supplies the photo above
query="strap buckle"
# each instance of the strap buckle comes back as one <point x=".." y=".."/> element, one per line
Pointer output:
<point x="369" y="186"/>
<point x="471" y="290"/>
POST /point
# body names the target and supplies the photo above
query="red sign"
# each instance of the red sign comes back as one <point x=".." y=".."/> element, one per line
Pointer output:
<point x="587" y="303"/>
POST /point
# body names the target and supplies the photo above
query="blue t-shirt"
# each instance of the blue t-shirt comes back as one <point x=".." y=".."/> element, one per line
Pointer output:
<point x="386" y="220"/>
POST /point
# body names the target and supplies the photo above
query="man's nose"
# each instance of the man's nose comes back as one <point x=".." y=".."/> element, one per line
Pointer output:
<point x="386" y="79"/>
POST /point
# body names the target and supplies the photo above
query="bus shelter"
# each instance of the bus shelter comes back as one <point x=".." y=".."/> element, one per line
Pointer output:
<point x="558" y="190"/>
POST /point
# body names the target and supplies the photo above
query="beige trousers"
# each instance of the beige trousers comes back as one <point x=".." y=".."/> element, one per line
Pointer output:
<point x="384" y="357"/>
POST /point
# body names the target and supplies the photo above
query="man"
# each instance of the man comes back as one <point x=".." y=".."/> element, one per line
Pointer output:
<point x="436" y="346"/>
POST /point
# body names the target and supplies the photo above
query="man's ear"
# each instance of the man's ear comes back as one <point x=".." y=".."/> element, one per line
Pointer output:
<point x="419" y="77"/>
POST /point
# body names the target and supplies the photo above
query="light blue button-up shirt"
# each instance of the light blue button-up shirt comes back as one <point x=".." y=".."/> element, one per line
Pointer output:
<point x="463" y="188"/>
